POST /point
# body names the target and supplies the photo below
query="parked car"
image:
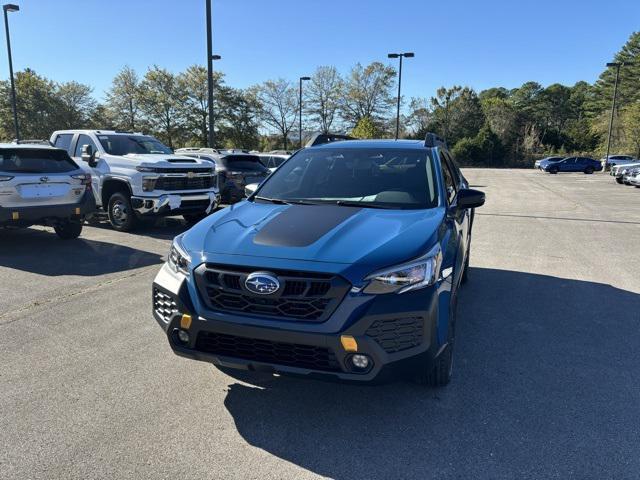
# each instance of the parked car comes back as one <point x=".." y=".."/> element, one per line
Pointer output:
<point x="272" y="161"/>
<point x="234" y="171"/>
<point x="42" y="185"/>
<point x="618" y="171"/>
<point x="344" y="264"/>
<point x="634" y="177"/>
<point x="628" y="173"/>
<point x="136" y="176"/>
<point x="573" y="164"/>
<point x="613" y="160"/>
<point x="538" y="163"/>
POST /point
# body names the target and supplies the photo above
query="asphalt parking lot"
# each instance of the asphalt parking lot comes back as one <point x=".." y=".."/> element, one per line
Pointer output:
<point x="546" y="382"/>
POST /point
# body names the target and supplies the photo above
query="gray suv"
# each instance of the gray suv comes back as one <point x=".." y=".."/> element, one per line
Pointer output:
<point x="42" y="185"/>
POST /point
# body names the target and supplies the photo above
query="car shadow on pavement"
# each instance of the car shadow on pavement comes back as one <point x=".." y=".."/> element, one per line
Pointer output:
<point x="163" y="228"/>
<point x="546" y="385"/>
<point x="41" y="252"/>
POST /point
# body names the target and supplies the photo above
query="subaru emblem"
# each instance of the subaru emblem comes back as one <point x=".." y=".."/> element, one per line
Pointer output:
<point x="262" y="283"/>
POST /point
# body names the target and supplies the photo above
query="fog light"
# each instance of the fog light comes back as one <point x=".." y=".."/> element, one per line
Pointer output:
<point x="360" y="361"/>
<point x="183" y="336"/>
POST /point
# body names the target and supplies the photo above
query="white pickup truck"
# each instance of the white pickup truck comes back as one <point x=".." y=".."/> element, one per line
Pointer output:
<point x="135" y="175"/>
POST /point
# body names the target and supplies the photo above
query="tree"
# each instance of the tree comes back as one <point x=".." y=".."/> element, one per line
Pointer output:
<point x="420" y="117"/>
<point x="37" y="106"/>
<point x="123" y="99"/>
<point x="161" y="101"/>
<point x="457" y="113"/>
<point x="366" y="128"/>
<point x="322" y="97"/>
<point x="485" y="149"/>
<point x="193" y="84"/>
<point x="77" y="105"/>
<point x="631" y="125"/>
<point x="239" y="114"/>
<point x="368" y="93"/>
<point x="278" y="105"/>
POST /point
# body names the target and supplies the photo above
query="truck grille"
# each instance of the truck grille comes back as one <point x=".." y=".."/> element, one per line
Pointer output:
<point x="302" y="296"/>
<point x="290" y="354"/>
<point x="397" y="334"/>
<point x="185" y="183"/>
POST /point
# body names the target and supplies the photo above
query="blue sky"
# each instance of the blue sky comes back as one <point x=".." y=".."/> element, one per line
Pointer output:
<point x="468" y="42"/>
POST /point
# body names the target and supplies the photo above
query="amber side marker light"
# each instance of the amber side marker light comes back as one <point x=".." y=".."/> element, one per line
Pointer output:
<point x="185" y="321"/>
<point x="349" y="343"/>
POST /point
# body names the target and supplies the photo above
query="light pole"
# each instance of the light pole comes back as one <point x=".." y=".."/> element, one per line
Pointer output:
<point x="9" y="7"/>
<point x="401" y="56"/>
<point x="212" y="117"/>
<point x="300" y="105"/>
<point x="210" y="58"/>
<point x="617" y="66"/>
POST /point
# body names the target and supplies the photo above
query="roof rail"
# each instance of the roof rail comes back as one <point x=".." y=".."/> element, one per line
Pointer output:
<point x="33" y="141"/>
<point x="432" y="140"/>
<point x="322" y="138"/>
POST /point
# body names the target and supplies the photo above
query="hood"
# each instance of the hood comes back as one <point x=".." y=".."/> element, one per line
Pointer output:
<point x="162" y="160"/>
<point x="315" y="233"/>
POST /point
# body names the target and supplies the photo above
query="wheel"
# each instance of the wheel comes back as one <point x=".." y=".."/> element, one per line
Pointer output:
<point x="588" y="170"/>
<point x="193" y="218"/>
<point x="619" y="180"/>
<point x="553" y="171"/>
<point x="121" y="214"/>
<point x="438" y="374"/>
<point x="68" y="229"/>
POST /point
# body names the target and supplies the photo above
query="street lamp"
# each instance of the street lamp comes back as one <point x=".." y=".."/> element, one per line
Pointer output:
<point x="9" y="7"/>
<point x="210" y="58"/>
<point x="400" y="56"/>
<point x="617" y="66"/>
<point x="300" y="123"/>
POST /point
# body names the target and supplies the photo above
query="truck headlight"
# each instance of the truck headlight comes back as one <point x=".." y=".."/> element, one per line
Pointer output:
<point x="419" y="273"/>
<point x="178" y="259"/>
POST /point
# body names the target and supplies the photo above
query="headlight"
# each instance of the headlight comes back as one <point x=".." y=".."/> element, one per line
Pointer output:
<point x="146" y="169"/>
<point x="178" y="259"/>
<point x="419" y="273"/>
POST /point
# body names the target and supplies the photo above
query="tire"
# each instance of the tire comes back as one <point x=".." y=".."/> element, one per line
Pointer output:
<point x="68" y="230"/>
<point x="588" y="170"/>
<point x="619" y="180"/>
<point x="121" y="214"/>
<point x="193" y="218"/>
<point x="438" y="373"/>
<point x="553" y="171"/>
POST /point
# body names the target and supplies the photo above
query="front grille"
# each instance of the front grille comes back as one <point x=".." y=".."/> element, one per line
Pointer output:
<point x="302" y="296"/>
<point x="185" y="183"/>
<point x="280" y="353"/>
<point x="396" y="334"/>
<point x="163" y="305"/>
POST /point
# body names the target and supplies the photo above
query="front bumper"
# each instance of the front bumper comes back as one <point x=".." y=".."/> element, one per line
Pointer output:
<point x="399" y="334"/>
<point x="47" y="214"/>
<point x="173" y="204"/>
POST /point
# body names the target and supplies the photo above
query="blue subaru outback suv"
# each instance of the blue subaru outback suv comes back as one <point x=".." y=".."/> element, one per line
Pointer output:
<point x="345" y="263"/>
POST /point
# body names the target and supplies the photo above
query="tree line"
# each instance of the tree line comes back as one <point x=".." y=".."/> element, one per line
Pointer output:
<point x="493" y="127"/>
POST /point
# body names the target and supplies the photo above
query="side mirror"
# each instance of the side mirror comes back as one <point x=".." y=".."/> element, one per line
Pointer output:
<point x="250" y="189"/>
<point x="469" y="198"/>
<point x="88" y="155"/>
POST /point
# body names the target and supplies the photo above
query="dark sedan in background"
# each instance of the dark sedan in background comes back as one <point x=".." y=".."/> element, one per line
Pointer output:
<point x="573" y="164"/>
<point x="546" y="160"/>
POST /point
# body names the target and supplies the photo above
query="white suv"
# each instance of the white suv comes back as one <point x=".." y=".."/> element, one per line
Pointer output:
<point x="41" y="185"/>
<point x="135" y="175"/>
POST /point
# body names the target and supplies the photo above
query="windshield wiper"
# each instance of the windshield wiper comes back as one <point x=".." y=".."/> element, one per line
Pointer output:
<point x="279" y="201"/>
<point x="351" y="203"/>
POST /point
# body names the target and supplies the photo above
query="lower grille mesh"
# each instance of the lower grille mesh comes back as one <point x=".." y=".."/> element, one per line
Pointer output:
<point x="163" y="305"/>
<point x="397" y="334"/>
<point x="279" y="353"/>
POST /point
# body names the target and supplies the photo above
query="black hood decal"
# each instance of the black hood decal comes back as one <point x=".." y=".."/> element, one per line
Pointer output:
<point x="302" y="225"/>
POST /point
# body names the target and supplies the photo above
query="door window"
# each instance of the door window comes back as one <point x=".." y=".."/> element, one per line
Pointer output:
<point x="449" y="182"/>
<point x="83" y="140"/>
<point x="63" y="141"/>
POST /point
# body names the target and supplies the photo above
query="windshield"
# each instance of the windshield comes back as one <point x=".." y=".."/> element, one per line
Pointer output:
<point x="377" y="178"/>
<point x="243" y="162"/>
<point x="124" y="144"/>
<point x="21" y="160"/>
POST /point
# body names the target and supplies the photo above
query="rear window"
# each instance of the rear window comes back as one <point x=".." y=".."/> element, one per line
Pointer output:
<point x="23" y="160"/>
<point x="243" y="162"/>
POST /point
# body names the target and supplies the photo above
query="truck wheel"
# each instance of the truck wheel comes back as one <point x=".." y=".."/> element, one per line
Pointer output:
<point x="193" y="218"/>
<point x="68" y="229"/>
<point x="438" y="373"/>
<point x="121" y="214"/>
